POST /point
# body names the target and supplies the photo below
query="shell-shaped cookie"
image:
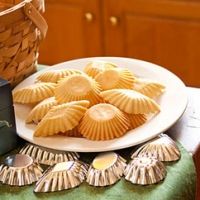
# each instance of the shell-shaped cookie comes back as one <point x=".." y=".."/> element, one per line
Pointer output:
<point x="148" y="87"/>
<point x="115" y="78"/>
<point x="73" y="133"/>
<point x="61" y="118"/>
<point x="103" y="122"/>
<point x="136" y="120"/>
<point x="78" y="87"/>
<point x="130" y="101"/>
<point x="54" y="75"/>
<point x="95" y="67"/>
<point x="34" y="93"/>
<point x="40" y="110"/>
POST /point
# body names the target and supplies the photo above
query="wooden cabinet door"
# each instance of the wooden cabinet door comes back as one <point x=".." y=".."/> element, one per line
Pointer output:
<point x="74" y="30"/>
<point x="163" y="32"/>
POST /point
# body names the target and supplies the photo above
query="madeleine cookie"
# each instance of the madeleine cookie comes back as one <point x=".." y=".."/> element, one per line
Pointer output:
<point x="136" y="120"/>
<point x="148" y="87"/>
<point x="130" y="101"/>
<point x="78" y="87"/>
<point x="73" y="133"/>
<point x="115" y="78"/>
<point x="95" y="67"/>
<point x="61" y="118"/>
<point x="103" y="122"/>
<point x="34" y="93"/>
<point x="40" y="110"/>
<point x="55" y="75"/>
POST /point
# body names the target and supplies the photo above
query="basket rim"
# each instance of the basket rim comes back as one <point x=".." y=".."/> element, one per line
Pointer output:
<point x="15" y="7"/>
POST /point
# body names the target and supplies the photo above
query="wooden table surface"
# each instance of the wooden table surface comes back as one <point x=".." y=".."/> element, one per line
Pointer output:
<point x="187" y="130"/>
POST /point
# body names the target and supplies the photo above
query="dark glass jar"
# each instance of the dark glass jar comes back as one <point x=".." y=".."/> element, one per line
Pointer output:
<point x="8" y="136"/>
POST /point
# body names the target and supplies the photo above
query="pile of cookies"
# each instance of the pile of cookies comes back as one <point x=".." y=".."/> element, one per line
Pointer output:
<point x="102" y="102"/>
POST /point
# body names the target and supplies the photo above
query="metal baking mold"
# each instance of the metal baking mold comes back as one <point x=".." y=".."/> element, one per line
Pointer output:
<point x="19" y="170"/>
<point x="106" y="169"/>
<point x="161" y="147"/>
<point x="145" y="170"/>
<point x="62" y="176"/>
<point x="48" y="156"/>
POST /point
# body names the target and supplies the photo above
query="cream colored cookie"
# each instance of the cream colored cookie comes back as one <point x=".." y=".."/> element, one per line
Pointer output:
<point x="103" y="122"/>
<point x="78" y="87"/>
<point x="73" y="133"/>
<point x="34" y="93"/>
<point x="95" y="67"/>
<point x="130" y="101"/>
<point x="55" y="75"/>
<point x="115" y="78"/>
<point x="61" y="118"/>
<point x="148" y="87"/>
<point x="40" y="110"/>
<point x="136" y="120"/>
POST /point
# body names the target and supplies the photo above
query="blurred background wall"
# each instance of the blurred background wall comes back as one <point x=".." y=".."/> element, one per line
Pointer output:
<point x="165" y="32"/>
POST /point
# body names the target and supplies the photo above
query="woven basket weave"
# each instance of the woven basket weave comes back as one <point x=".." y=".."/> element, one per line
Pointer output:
<point x="21" y="30"/>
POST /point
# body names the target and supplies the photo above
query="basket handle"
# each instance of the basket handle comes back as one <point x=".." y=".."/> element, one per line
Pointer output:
<point x="34" y="15"/>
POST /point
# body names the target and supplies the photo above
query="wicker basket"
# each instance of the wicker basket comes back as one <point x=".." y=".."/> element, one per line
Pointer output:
<point x="21" y="30"/>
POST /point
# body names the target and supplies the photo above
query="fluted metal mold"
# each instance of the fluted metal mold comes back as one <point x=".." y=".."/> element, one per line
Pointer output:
<point x="162" y="147"/>
<point x="145" y="170"/>
<point x="108" y="176"/>
<point x="20" y="174"/>
<point x="48" y="156"/>
<point x="62" y="176"/>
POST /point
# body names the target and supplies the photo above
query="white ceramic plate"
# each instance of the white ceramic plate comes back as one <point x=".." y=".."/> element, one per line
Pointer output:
<point x="173" y="103"/>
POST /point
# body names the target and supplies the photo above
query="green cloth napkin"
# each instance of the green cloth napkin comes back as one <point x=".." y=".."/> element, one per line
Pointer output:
<point x="178" y="185"/>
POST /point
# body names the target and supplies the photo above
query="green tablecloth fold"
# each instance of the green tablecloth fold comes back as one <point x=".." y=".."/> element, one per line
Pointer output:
<point x="178" y="185"/>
